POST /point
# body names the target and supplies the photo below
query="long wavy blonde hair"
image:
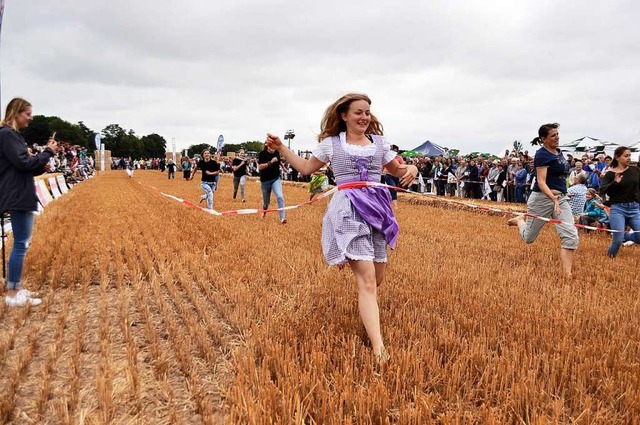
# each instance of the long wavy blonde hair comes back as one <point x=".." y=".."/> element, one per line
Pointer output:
<point x="14" y="108"/>
<point x="332" y="123"/>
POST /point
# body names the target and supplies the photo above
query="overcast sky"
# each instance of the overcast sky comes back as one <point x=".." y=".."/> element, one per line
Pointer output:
<point x="464" y="74"/>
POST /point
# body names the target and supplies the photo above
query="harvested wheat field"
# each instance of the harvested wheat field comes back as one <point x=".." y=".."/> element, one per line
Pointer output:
<point x="154" y="313"/>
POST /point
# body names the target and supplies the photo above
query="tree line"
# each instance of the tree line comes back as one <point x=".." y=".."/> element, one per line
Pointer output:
<point x="250" y="146"/>
<point x="121" y="142"/>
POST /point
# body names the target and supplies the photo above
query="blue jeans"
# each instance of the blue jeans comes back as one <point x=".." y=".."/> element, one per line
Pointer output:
<point x="620" y="215"/>
<point x="276" y="186"/>
<point x="209" y="188"/>
<point x="394" y="181"/>
<point x="22" y="225"/>
<point x="520" y="194"/>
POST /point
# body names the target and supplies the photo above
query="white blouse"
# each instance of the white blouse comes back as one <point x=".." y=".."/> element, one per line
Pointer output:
<point x="324" y="150"/>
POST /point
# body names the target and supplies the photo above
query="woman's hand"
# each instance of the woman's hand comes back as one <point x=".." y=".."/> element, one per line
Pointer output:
<point x="52" y="144"/>
<point x="273" y="141"/>
<point x="409" y="176"/>
<point x="556" y="204"/>
<point x="618" y="178"/>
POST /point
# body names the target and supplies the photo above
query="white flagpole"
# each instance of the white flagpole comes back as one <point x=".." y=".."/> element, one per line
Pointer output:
<point x="102" y="157"/>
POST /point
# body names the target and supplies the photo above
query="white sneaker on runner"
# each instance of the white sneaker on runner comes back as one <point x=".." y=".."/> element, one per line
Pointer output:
<point x="628" y="243"/>
<point x="28" y="293"/>
<point x="20" y="300"/>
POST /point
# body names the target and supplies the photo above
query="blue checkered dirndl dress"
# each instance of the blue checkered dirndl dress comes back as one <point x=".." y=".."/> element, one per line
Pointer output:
<point x="345" y="233"/>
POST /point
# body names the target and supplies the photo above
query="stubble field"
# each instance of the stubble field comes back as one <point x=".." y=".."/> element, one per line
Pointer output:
<point x="157" y="313"/>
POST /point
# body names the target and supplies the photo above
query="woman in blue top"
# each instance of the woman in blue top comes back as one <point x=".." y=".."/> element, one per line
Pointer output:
<point x="548" y="197"/>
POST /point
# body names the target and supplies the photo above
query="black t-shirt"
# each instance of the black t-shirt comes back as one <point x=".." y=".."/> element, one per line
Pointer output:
<point x="626" y="190"/>
<point x="273" y="170"/>
<point x="210" y="165"/>
<point x="556" y="169"/>
<point x="242" y="171"/>
<point x="171" y="168"/>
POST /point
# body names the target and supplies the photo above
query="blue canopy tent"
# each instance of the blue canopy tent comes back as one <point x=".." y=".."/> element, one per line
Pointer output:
<point x="430" y="149"/>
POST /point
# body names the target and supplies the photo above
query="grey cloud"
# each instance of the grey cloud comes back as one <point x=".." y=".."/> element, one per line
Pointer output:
<point x="465" y="74"/>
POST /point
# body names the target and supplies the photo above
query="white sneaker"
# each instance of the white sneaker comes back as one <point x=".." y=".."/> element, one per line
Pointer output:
<point x="28" y="293"/>
<point x="628" y="243"/>
<point x="203" y="198"/>
<point x="20" y="300"/>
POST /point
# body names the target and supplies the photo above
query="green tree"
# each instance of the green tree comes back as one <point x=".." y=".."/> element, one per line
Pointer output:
<point x="133" y="146"/>
<point x="253" y="145"/>
<point x="38" y="130"/>
<point x="197" y="149"/>
<point x="155" y="146"/>
<point x="231" y="147"/>
<point x="42" y="127"/>
<point x="113" y="137"/>
<point x="88" y="136"/>
<point x="66" y="132"/>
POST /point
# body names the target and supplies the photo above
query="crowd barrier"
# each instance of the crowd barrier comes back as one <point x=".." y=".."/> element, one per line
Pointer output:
<point x="49" y="187"/>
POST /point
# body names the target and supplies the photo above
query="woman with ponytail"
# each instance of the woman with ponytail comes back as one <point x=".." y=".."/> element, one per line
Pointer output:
<point x="548" y="197"/>
<point x="18" y="194"/>
<point x="622" y="184"/>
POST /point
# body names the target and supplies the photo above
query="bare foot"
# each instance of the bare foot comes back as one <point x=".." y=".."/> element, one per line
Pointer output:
<point x="382" y="357"/>
<point x="515" y="221"/>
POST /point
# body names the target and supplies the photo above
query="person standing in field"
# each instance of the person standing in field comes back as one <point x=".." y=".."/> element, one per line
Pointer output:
<point x="359" y="223"/>
<point x="171" y="170"/>
<point x="210" y="170"/>
<point x="18" y="195"/>
<point x="186" y="168"/>
<point x="391" y="180"/>
<point x="239" y="167"/>
<point x="319" y="183"/>
<point x="622" y="185"/>
<point x="269" y="165"/>
<point x="549" y="198"/>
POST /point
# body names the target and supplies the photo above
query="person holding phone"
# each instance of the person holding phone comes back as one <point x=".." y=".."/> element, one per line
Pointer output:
<point x="17" y="193"/>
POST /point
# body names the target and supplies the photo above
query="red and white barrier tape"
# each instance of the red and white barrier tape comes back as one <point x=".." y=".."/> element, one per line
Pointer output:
<point x="359" y="185"/>
<point x="245" y="210"/>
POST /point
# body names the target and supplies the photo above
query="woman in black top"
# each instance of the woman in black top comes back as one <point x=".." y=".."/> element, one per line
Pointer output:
<point x="474" y="180"/>
<point x="239" y="167"/>
<point x="269" y="164"/>
<point x="210" y="170"/>
<point x="499" y="186"/>
<point x="17" y="193"/>
<point x="622" y="184"/>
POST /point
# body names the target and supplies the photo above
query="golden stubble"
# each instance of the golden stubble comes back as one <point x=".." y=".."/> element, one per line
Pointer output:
<point x="155" y="312"/>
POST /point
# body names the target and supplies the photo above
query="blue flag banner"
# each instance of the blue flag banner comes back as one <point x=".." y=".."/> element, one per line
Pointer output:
<point x="220" y="143"/>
